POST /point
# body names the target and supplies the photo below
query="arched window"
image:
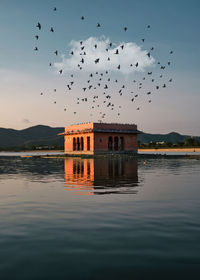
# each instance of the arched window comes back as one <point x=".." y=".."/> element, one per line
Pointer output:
<point x="116" y="148"/>
<point x="78" y="144"/>
<point x="74" y="144"/>
<point x="121" y="143"/>
<point x="88" y="143"/>
<point x="110" y="143"/>
<point x="82" y="144"/>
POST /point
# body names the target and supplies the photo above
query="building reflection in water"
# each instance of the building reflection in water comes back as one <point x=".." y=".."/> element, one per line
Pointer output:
<point x="101" y="176"/>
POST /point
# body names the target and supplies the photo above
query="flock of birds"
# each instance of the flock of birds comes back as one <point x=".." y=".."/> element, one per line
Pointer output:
<point x="97" y="87"/>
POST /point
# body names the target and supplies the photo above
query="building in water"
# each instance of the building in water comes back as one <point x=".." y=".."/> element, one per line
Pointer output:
<point x="97" y="138"/>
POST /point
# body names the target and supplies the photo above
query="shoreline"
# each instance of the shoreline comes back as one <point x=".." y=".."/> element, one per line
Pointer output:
<point x="140" y="150"/>
<point x="142" y="153"/>
<point x="177" y="150"/>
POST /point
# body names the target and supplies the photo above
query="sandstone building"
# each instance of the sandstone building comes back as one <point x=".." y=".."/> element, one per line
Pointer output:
<point x="95" y="138"/>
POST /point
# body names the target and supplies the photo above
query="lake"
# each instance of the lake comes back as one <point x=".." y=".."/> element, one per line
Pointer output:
<point x="104" y="218"/>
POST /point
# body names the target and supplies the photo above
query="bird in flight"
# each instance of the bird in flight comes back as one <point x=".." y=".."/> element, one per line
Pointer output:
<point x="99" y="78"/>
<point x="96" y="60"/>
<point x="39" y="26"/>
<point x="54" y="9"/>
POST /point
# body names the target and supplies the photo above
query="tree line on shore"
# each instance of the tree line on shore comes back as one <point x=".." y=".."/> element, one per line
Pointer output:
<point x="42" y="137"/>
<point x="188" y="143"/>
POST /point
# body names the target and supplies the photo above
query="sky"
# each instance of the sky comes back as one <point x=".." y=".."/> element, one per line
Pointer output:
<point x="25" y="73"/>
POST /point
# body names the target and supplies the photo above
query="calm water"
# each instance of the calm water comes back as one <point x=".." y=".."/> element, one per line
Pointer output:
<point x="99" y="219"/>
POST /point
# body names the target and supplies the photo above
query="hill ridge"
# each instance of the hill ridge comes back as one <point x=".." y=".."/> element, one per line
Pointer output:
<point x="47" y="135"/>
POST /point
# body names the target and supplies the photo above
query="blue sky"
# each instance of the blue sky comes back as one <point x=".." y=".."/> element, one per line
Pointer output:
<point x="25" y="73"/>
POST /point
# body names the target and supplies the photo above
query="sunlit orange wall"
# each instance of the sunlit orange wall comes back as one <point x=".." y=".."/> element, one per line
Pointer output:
<point x="69" y="142"/>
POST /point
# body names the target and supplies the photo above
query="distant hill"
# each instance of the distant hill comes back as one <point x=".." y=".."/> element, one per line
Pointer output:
<point x="42" y="135"/>
<point x="36" y="135"/>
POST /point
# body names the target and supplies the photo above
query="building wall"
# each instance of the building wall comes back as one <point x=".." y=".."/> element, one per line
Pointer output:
<point x="101" y="141"/>
<point x="115" y="126"/>
<point x="77" y="127"/>
<point x="69" y="143"/>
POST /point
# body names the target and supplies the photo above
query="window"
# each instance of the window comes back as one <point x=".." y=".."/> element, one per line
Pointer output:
<point x="116" y="143"/>
<point x="74" y="144"/>
<point x="121" y="143"/>
<point x="88" y="143"/>
<point x="82" y="144"/>
<point x="110" y="143"/>
<point x="78" y="144"/>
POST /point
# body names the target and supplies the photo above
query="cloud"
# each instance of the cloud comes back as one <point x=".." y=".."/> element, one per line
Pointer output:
<point x="131" y="54"/>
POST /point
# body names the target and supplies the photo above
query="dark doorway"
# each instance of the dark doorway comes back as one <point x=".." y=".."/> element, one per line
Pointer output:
<point x="78" y="144"/>
<point x="82" y="144"/>
<point x="88" y="143"/>
<point x="121" y="143"/>
<point x="116" y="148"/>
<point x="74" y="144"/>
<point x="110" y="143"/>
